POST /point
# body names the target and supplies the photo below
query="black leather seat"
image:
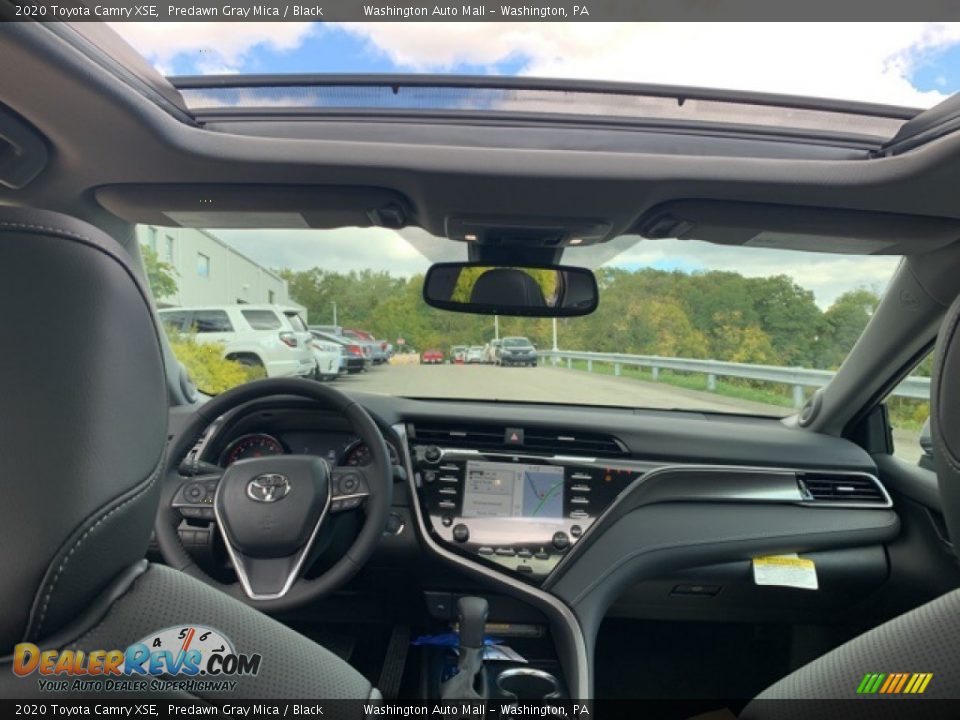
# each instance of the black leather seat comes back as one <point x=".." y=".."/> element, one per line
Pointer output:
<point x="83" y="428"/>
<point x="924" y="640"/>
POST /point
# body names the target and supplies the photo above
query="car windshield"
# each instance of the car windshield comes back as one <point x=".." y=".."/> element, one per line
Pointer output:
<point x="681" y="324"/>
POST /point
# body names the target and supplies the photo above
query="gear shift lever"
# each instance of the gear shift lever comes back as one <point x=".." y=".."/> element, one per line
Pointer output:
<point x="472" y="615"/>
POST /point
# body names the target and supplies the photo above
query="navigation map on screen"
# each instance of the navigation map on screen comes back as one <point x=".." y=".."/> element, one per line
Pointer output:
<point x="513" y="490"/>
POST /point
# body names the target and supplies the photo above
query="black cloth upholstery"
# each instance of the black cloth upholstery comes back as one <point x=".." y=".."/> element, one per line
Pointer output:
<point x="83" y="419"/>
<point x="293" y="667"/>
<point x="83" y="428"/>
<point x="945" y="418"/>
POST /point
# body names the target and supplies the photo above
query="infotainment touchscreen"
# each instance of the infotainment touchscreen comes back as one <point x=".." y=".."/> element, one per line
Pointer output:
<point x="513" y="490"/>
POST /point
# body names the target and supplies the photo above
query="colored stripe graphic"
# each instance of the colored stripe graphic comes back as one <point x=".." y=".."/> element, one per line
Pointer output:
<point x="903" y="681"/>
<point x="894" y="683"/>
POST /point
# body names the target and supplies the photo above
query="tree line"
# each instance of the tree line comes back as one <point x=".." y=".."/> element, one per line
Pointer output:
<point x="718" y="315"/>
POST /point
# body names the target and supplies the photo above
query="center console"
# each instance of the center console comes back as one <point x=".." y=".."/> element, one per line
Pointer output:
<point x="519" y="512"/>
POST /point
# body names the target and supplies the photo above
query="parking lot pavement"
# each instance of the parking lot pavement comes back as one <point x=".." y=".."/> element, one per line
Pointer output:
<point x="542" y="384"/>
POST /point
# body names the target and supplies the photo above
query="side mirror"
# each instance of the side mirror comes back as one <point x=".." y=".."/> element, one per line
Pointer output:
<point x="531" y="291"/>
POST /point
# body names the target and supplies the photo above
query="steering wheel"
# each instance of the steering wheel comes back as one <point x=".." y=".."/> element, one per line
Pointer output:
<point x="270" y="510"/>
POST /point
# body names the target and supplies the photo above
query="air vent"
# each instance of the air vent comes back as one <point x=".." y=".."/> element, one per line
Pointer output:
<point x="535" y="440"/>
<point x="841" y="489"/>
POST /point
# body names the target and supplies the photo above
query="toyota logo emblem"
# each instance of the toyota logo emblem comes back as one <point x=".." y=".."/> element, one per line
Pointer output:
<point x="268" y="488"/>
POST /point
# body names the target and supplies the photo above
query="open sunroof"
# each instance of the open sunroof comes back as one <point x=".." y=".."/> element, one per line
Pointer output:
<point x="530" y="97"/>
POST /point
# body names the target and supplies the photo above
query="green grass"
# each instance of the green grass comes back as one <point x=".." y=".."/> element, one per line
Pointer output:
<point x="905" y="414"/>
<point x="766" y="393"/>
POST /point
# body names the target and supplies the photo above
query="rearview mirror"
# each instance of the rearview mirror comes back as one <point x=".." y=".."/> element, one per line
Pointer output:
<point x="557" y="291"/>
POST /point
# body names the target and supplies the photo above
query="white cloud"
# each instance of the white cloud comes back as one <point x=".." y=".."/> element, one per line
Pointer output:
<point x="857" y="61"/>
<point x="862" y="61"/>
<point x="339" y="250"/>
<point x="223" y="46"/>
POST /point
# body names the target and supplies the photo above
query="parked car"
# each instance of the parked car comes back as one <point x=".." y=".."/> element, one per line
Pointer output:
<point x="329" y="356"/>
<point x="458" y="354"/>
<point x="325" y="354"/>
<point x="474" y="355"/>
<point x="491" y="352"/>
<point x="257" y="335"/>
<point x="432" y="357"/>
<point x="352" y="359"/>
<point x="517" y="351"/>
<point x="365" y="340"/>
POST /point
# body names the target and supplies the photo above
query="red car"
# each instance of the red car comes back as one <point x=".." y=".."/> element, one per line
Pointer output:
<point x="432" y="357"/>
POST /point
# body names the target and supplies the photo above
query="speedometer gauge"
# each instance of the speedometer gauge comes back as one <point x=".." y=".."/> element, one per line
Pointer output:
<point x="251" y="446"/>
<point x="358" y="455"/>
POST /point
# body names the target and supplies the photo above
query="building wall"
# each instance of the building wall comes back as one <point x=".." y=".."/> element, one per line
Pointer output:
<point x="210" y="272"/>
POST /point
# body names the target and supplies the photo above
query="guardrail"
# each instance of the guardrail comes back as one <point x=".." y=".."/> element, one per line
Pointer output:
<point x="796" y="377"/>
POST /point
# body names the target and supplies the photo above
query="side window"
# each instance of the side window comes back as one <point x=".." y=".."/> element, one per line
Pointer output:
<point x="909" y="406"/>
<point x="174" y="320"/>
<point x="262" y="319"/>
<point x="207" y="321"/>
<point x="296" y="322"/>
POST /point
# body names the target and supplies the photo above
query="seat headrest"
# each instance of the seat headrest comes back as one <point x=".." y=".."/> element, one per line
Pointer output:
<point x="83" y="419"/>
<point x="945" y="418"/>
<point x="506" y="287"/>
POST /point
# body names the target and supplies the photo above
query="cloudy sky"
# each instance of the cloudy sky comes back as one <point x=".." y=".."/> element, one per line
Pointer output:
<point x="913" y="64"/>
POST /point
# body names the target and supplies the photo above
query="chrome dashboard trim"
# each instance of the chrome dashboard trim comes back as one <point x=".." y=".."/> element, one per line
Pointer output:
<point x="578" y="679"/>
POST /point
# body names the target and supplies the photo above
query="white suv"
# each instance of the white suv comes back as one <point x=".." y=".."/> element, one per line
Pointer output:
<point x="252" y="334"/>
<point x="326" y="355"/>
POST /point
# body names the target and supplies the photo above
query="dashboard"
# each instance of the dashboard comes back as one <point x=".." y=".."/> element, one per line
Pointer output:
<point x="570" y="508"/>
<point x="338" y="449"/>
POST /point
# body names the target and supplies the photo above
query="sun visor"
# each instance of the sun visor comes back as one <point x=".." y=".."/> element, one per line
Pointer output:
<point x="789" y="227"/>
<point x="255" y="206"/>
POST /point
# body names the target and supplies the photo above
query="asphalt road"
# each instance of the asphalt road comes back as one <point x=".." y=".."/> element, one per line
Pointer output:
<point x="549" y="384"/>
<point x="542" y="384"/>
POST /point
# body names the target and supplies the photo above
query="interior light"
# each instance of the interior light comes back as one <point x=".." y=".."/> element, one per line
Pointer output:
<point x="576" y="241"/>
<point x="470" y="236"/>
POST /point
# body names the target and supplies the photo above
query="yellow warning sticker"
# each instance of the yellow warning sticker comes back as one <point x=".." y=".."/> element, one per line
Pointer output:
<point x="785" y="571"/>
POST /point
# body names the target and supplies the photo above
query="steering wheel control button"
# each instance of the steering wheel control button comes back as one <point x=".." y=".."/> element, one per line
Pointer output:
<point x="561" y="541"/>
<point x="190" y="512"/>
<point x="349" y="484"/>
<point x="461" y="533"/>
<point x="195" y="492"/>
